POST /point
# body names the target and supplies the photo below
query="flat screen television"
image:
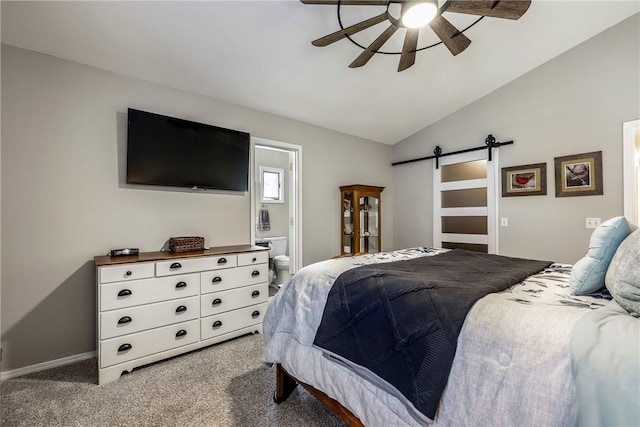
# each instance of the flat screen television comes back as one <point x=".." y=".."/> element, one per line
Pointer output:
<point x="174" y="152"/>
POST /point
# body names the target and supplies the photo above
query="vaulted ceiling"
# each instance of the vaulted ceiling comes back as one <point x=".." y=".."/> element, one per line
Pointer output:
<point x="258" y="54"/>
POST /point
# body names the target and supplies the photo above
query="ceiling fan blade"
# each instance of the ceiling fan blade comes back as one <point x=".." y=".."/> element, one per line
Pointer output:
<point x="408" y="56"/>
<point x="454" y="40"/>
<point x="348" y="2"/>
<point x="507" y="9"/>
<point x="340" y="34"/>
<point x="368" y="53"/>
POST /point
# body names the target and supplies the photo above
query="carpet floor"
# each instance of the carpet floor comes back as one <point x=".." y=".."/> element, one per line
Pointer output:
<point x="222" y="385"/>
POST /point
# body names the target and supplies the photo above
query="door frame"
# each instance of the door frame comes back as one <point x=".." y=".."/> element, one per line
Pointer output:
<point x="294" y="194"/>
<point x="629" y="167"/>
<point x="492" y="184"/>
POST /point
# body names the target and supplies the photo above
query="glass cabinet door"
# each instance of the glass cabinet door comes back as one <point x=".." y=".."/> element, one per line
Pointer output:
<point x="348" y="244"/>
<point x="369" y="224"/>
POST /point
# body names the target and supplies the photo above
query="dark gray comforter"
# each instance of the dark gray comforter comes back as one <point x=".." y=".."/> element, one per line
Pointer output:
<point x="401" y="320"/>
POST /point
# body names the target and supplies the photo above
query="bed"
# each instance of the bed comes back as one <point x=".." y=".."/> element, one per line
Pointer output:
<point x="512" y="363"/>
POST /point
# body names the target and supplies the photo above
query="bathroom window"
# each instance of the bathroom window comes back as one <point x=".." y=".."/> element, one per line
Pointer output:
<point x="272" y="184"/>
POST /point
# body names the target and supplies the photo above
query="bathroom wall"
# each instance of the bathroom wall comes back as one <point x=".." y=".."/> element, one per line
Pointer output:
<point x="278" y="212"/>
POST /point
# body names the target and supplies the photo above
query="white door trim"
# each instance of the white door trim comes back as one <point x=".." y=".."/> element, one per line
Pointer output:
<point x="479" y="239"/>
<point x="481" y="211"/>
<point x="629" y="165"/>
<point x="463" y="185"/>
<point x="295" y="198"/>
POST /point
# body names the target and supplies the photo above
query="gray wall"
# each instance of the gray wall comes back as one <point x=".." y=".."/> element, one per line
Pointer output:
<point x="573" y="104"/>
<point x="64" y="199"/>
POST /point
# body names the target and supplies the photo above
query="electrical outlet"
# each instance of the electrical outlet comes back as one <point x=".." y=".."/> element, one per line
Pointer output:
<point x="504" y="222"/>
<point x="592" y="222"/>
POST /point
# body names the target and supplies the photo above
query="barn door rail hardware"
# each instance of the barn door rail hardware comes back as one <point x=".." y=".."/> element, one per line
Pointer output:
<point x="489" y="144"/>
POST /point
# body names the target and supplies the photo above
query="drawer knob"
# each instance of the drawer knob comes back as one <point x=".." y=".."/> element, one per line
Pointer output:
<point x="255" y="314"/>
<point x="181" y="308"/>
<point x="181" y="285"/>
<point x="216" y="324"/>
<point x="124" y="320"/>
<point x="128" y="273"/>
<point x="124" y="293"/>
<point x="222" y="261"/>
<point x="181" y="333"/>
<point x="216" y="301"/>
<point x="255" y="294"/>
<point x="216" y="280"/>
<point x="124" y="347"/>
<point x="175" y="266"/>
<point x="255" y="273"/>
<point x="254" y="259"/>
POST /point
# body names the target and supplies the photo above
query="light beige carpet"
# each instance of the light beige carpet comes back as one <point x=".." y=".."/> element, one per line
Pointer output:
<point x="221" y="385"/>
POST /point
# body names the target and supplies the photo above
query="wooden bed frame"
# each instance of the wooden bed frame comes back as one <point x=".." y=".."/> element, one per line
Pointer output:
<point x="286" y="383"/>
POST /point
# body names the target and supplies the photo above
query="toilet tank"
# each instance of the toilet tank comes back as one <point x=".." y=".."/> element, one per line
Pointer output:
<point x="278" y="246"/>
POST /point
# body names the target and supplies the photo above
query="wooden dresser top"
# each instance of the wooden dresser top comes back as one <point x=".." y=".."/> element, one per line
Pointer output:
<point x="166" y="255"/>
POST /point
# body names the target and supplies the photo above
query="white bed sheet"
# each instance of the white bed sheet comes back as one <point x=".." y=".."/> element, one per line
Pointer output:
<point x="512" y="364"/>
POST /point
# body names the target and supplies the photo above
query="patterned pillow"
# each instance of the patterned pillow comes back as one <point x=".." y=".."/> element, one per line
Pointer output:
<point x="623" y="276"/>
<point x="588" y="274"/>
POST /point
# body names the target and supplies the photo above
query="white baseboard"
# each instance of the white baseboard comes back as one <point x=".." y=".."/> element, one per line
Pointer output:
<point x="46" y="365"/>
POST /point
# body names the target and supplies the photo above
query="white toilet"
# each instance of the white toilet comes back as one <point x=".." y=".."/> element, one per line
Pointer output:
<point x="279" y="261"/>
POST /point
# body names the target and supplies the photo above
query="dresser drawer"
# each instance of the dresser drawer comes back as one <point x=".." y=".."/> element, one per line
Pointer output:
<point x="253" y="274"/>
<point x="134" y="346"/>
<point x="190" y="265"/>
<point x="219" y="302"/>
<point x="140" y="318"/>
<point x="121" y="273"/>
<point x="222" y="280"/>
<point x="136" y="292"/>
<point x="218" y="280"/>
<point x="232" y="320"/>
<point x="253" y="258"/>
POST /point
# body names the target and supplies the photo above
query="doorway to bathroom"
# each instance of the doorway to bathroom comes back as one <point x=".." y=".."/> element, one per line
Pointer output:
<point x="276" y="203"/>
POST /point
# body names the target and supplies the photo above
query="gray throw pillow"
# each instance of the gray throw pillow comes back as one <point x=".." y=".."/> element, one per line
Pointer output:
<point x="623" y="276"/>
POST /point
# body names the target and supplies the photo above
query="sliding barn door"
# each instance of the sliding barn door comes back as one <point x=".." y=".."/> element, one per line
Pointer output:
<point x="464" y="202"/>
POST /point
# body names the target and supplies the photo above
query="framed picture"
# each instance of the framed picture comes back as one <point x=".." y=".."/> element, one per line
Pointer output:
<point x="579" y="175"/>
<point x="525" y="180"/>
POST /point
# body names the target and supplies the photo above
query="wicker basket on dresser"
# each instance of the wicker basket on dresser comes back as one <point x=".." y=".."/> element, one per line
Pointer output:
<point x="157" y="305"/>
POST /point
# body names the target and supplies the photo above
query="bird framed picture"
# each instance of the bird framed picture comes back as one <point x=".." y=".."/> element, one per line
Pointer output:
<point x="579" y="175"/>
<point x="524" y="180"/>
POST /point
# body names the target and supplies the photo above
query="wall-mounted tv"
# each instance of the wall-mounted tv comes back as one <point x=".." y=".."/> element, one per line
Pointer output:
<point x="174" y="152"/>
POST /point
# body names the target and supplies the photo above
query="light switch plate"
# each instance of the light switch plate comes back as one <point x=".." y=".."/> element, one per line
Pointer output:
<point x="592" y="222"/>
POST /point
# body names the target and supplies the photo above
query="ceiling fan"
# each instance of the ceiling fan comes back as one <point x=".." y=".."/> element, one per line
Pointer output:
<point x="414" y="15"/>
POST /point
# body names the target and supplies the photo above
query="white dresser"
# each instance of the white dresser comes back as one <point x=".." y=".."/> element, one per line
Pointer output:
<point x="160" y="304"/>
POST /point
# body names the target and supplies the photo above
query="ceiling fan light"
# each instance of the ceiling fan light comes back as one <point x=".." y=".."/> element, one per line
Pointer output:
<point x="419" y="14"/>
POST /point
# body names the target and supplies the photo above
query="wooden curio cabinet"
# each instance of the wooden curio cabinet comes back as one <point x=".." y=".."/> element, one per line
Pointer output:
<point x="360" y="230"/>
